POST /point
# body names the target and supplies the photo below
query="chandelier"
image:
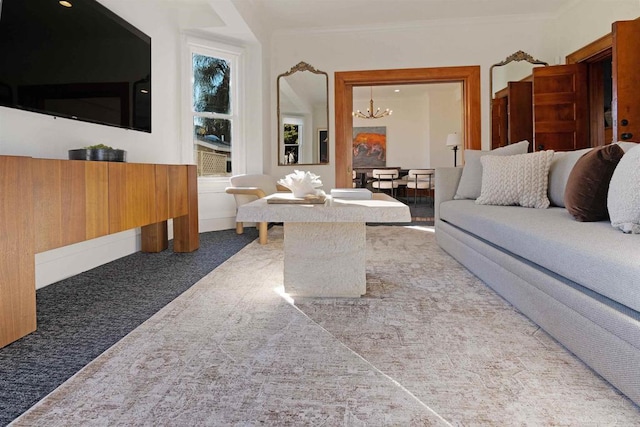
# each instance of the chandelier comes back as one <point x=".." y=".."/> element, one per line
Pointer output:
<point x="370" y="114"/>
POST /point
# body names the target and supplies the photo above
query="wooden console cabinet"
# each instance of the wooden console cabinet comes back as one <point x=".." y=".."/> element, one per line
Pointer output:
<point x="47" y="204"/>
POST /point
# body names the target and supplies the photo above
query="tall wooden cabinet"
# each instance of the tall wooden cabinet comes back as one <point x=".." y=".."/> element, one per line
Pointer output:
<point x="560" y="112"/>
<point x="17" y="252"/>
<point x="590" y="101"/>
<point x="499" y="121"/>
<point x="626" y="80"/>
<point x="47" y="204"/>
<point x="613" y="63"/>
<point x="512" y="116"/>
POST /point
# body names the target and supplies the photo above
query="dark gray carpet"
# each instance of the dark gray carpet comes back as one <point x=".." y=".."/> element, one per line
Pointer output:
<point x="81" y="317"/>
<point x="421" y="212"/>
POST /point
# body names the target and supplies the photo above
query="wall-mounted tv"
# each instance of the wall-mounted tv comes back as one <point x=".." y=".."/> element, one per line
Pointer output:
<point x="78" y="60"/>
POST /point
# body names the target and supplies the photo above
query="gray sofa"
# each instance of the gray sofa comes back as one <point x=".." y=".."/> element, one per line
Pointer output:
<point x="579" y="281"/>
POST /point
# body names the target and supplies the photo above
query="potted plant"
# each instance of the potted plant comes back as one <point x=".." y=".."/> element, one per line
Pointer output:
<point x="99" y="152"/>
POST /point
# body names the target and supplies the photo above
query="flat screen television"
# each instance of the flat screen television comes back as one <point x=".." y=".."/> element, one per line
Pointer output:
<point x="81" y="62"/>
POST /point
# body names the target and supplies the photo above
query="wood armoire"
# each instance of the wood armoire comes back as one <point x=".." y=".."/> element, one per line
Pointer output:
<point x="589" y="101"/>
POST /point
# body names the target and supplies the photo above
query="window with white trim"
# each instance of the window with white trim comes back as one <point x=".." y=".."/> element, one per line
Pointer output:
<point x="292" y="139"/>
<point x="213" y="119"/>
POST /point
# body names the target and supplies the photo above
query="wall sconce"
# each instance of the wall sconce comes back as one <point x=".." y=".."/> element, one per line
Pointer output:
<point x="453" y="141"/>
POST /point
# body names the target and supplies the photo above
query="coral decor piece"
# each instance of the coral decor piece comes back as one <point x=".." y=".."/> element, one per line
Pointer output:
<point x="302" y="183"/>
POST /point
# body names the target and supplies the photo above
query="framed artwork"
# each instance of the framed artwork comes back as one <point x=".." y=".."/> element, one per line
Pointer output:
<point x="369" y="147"/>
<point x="323" y="143"/>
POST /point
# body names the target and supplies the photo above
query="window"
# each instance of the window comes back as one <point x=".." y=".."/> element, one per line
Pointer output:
<point x="213" y="120"/>
<point x="292" y="135"/>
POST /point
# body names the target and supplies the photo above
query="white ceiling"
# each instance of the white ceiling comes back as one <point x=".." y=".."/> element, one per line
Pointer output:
<point x="324" y="14"/>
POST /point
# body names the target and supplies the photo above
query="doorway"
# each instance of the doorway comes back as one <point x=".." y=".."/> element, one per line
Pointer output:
<point x="469" y="76"/>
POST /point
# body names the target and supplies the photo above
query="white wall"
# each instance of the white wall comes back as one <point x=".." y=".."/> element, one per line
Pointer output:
<point x="30" y="134"/>
<point x="446" y="43"/>
<point x="37" y="135"/>
<point x="588" y="20"/>
<point x="418" y="128"/>
<point x="447" y="117"/>
<point x="406" y="129"/>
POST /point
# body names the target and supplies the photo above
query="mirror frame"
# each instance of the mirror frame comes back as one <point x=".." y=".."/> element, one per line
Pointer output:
<point x="300" y="67"/>
<point x="517" y="57"/>
<point x="514" y="57"/>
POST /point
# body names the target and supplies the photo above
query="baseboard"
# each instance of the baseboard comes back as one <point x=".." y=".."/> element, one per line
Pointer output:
<point x="57" y="264"/>
<point x="216" y="224"/>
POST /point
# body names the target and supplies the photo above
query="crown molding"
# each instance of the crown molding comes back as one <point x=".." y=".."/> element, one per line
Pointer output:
<point x="403" y="26"/>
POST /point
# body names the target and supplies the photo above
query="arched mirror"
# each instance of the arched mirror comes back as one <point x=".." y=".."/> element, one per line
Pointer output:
<point x="303" y="116"/>
<point x="511" y="95"/>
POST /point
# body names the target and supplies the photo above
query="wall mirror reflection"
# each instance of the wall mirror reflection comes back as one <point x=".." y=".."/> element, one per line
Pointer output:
<point x="511" y="90"/>
<point x="303" y="116"/>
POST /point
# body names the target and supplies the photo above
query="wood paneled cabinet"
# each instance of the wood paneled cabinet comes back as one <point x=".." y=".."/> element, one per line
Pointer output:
<point x="512" y="116"/>
<point x="626" y="81"/>
<point x="612" y="62"/>
<point x="560" y="112"/>
<point x="590" y="101"/>
<point x="499" y="121"/>
<point x="47" y="204"/>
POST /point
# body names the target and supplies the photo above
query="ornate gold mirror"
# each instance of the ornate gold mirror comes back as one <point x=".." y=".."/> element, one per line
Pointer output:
<point x="303" y="116"/>
<point x="511" y="99"/>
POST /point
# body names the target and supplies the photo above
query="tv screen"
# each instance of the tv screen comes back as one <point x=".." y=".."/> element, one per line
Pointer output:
<point x="79" y="61"/>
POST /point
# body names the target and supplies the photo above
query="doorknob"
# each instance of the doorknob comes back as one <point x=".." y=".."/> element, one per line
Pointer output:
<point x="625" y="136"/>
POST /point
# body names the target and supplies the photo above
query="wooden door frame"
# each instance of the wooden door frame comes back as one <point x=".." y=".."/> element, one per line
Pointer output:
<point x="592" y="55"/>
<point x="345" y="81"/>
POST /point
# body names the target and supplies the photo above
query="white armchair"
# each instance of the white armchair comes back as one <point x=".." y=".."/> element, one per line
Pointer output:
<point x="247" y="188"/>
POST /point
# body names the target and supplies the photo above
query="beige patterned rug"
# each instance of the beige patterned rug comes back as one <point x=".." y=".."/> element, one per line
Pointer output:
<point x="429" y="344"/>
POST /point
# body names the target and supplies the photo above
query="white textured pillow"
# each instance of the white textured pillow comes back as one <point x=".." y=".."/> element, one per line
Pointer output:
<point x="516" y="180"/>
<point x="471" y="179"/>
<point x="626" y="145"/>
<point x="623" y="199"/>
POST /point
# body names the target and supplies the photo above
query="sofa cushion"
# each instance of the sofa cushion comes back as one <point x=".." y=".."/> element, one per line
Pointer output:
<point x="585" y="195"/>
<point x="626" y="145"/>
<point x="471" y="179"/>
<point x="561" y="165"/>
<point x="592" y="254"/>
<point x="516" y="180"/>
<point x="623" y="200"/>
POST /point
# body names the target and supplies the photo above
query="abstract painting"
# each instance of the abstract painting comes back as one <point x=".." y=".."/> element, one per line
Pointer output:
<point x="369" y="147"/>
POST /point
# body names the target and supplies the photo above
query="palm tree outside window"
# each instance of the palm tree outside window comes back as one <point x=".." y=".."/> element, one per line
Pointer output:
<point x="213" y="114"/>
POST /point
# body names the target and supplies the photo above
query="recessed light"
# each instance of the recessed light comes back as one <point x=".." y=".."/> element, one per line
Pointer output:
<point x="397" y="90"/>
<point x="65" y="3"/>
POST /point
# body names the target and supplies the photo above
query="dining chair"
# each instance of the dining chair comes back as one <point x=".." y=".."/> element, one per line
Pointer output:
<point x="385" y="179"/>
<point x="420" y="179"/>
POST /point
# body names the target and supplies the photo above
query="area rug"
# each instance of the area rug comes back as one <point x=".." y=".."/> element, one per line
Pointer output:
<point x="429" y="344"/>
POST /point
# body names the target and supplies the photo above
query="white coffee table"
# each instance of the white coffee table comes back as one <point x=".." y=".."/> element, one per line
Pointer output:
<point x="325" y="244"/>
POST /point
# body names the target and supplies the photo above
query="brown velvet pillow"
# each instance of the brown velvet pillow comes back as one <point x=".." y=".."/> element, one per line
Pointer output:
<point x="585" y="195"/>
